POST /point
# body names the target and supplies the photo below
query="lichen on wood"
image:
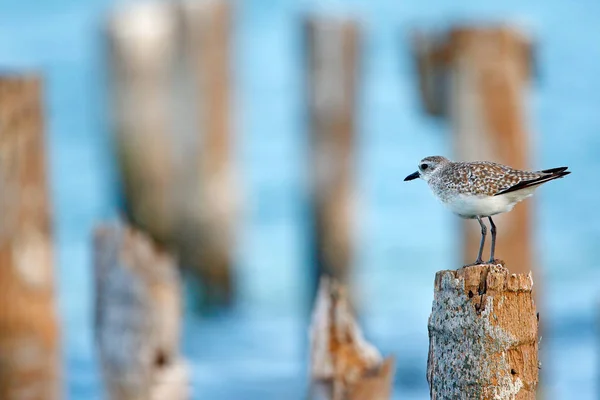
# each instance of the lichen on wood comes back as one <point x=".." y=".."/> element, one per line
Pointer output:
<point x="344" y="366"/>
<point x="483" y="335"/>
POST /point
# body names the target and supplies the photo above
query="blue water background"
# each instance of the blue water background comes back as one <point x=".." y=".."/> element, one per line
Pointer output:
<point x="259" y="350"/>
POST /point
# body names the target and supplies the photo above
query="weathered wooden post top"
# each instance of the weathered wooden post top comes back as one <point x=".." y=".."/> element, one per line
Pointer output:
<point x="483" y="335"/>
<point x="343" y="365"/>
<point x="137" y="316"/>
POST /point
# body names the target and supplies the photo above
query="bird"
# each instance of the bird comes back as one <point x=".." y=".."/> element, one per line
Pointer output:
<point x="481" y="189"/>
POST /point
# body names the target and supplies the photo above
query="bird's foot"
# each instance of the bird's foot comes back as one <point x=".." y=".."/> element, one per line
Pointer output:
<point x="479" y="261"/>
<point x="496" y="261"/>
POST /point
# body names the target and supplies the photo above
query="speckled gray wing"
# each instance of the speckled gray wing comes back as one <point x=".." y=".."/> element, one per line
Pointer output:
<point x="542" y="177"/>
<point x="492" y="179"/>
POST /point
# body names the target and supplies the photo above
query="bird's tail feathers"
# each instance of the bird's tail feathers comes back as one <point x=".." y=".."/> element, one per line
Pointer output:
<point x="549" y="175"/>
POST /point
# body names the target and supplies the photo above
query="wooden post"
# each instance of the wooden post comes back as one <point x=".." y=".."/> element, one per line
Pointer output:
<point x="343" y="365"/>
<point x="333" y="52"/>
<point x="477" y="77"/>
<point x="142" y="39"/>
<point x="137" y="317"/>
<point x="208" y="229"/>
<point x="483" y="335"/>
<point x="29" y="335"/>
<point x="172" y="115"/>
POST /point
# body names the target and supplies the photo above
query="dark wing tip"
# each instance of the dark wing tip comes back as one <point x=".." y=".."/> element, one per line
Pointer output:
<point x="554" y="170"/>
<point x="555" y="174"/>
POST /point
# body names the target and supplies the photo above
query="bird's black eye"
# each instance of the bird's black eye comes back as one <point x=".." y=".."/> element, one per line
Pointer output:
<point x="423" y="166"/>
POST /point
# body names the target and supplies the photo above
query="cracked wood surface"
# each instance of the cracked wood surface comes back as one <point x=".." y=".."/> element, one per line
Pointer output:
<point x="483" y="335"/>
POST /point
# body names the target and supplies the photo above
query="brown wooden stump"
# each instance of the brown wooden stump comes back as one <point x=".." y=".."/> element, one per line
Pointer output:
<point x="343" y="365"/>
<point x="29" y="335"/>
<point x="333" y="54"/>
<point x="483" y="335"/>
<point x="137" y="317"/>
<point x="477" y="77"/>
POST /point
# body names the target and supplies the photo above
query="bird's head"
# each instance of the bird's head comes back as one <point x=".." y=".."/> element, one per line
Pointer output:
<point x="428" y="167"/>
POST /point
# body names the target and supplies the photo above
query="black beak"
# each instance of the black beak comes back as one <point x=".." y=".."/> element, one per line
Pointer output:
<point x="412" y="176"/>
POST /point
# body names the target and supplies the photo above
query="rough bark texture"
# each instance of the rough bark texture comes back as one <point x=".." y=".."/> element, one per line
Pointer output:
<point x="137" y="317"/>
<point x="343" y="365"/>
<point x="208" y="223"/>
<point x="29" y="335"/>
<point x="333" y="52"/>
<point x="483" y="335"/>
<point x="477" y="77"/>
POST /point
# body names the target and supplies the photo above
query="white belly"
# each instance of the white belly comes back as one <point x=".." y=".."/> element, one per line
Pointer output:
<point x="484" y="206"/>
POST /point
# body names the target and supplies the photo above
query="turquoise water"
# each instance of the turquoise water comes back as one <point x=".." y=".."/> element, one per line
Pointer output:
<point x="259" y="351"/>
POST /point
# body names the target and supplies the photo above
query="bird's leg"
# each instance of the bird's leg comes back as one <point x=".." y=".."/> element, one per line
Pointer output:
<point x="483" y="233"/>
<point x="493" y="247"/>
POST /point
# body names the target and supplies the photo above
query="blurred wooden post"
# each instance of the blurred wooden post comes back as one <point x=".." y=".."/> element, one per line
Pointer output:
<point x="483" y="335"/>
<point x="477" y="77"/>
<point x="208" y="232"/>
<point x="29" y="335"/>
<point x="343" y="365"/>
<point x="333" y="53"/>
<point x="137" y="317"/>
<point x="172" y="111"/>
<point x="142" y="38"/>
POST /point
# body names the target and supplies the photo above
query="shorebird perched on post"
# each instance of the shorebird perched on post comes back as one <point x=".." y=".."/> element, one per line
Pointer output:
<point x="481" y="189"/>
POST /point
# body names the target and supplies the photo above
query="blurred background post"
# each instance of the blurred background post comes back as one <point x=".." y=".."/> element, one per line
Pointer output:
<point x="143" y="46"/>
<point x="343" y="365"/>
<point x="172" y="115"/>
<point x="30" y="363"/>
<point x="477" y="76"/>
<point x="207" y="232"/>
<point x="333" y="46"/>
